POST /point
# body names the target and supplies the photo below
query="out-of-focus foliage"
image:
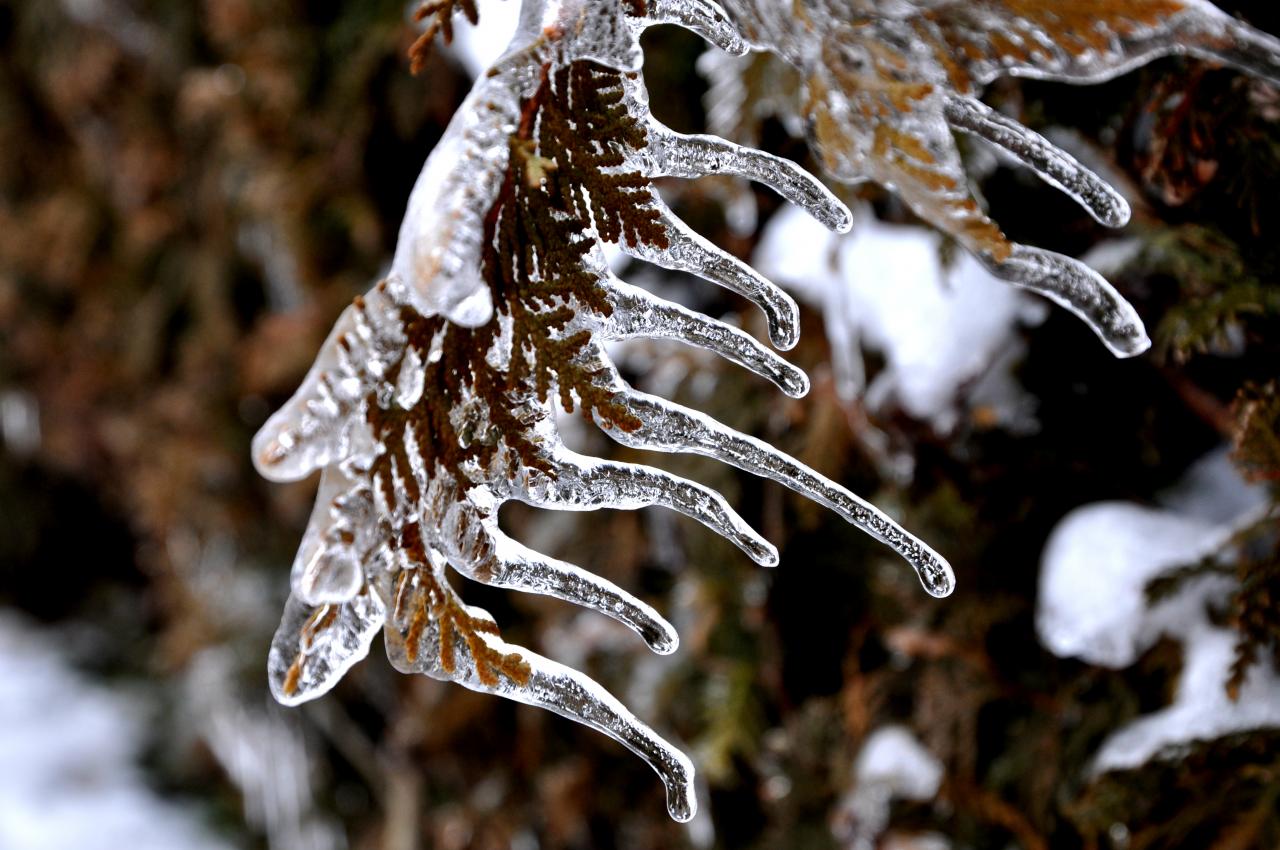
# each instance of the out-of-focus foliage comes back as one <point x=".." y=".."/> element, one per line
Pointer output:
<point x="189" y="194"/>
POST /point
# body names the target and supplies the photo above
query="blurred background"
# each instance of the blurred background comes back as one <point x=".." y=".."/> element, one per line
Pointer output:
<point x="191" y="192"/>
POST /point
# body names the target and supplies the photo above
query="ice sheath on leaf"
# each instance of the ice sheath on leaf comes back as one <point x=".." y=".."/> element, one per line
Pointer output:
<point x="887" y="83"/>
<point x="433" y="400"/>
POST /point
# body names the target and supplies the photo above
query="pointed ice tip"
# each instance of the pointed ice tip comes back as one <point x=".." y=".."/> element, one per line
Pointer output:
<point x="938" y="579"/>
<point x="1119" y="215"/>
<point x="682" y="804"/>
<point x="795" y="383"/>
<point x="665" y="642"/>
<point x="939" y="587"/>
<point x="840" y="219"/>
<point x="289" y="697"/>
<point x="705" y="17"/>
<point x="1130" y="345"/>
<point x="761" y="551"/>
<point x="289" y="700"/>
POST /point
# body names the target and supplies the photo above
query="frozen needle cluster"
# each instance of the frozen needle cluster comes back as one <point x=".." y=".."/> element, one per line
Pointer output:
<point x="433" y="400"/>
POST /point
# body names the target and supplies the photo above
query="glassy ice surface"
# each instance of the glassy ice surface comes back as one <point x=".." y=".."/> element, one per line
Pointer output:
<point x="392" y="516"/>
<point x="886" y="85"/>
<point x="394" y="512"/>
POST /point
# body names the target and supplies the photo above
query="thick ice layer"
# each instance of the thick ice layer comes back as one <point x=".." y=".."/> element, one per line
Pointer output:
<point x="423" y="431"/>
<point x="882" y="98"/>
<point x="439" y="246"/>
<point x="1053" y="164"/>
<point x="669" y="427"/>
<point x="542" y="683"/>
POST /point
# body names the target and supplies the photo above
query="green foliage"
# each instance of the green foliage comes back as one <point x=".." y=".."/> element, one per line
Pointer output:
<point x="1219" y="296"/>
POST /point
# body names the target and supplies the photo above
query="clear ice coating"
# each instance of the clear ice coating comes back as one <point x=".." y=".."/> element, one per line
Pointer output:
<point x="886" y="82"/>
<point x="432" y="402"/>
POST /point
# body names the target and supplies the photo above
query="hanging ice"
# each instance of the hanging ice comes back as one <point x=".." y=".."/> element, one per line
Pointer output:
<point x="432" y="402"/>
<point x="887" y="83"/>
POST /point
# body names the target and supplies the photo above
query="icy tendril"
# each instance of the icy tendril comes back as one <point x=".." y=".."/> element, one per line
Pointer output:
<point x="432" y="403"/>
<point x="885" y="85"/>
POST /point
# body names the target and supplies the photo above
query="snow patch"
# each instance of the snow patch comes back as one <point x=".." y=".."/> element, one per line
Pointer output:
<point x="893" y="759"/>
<point x="885" y="286"/>
<point x="68" y="748"/>
<point x="1096" y="567"/>
<point x="892" y="765"/>
<point x="1092" y="605"/>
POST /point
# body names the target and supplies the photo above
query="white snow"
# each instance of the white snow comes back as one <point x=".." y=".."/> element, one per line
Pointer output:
<point x="68" y="750"/>
<point x="892" y="765"/>
<point x="19" y="423"/>
<point x="1212" y="490"/>
<point x="1201" y="709"/>
<point x="894" y="759"/>
<point x="884" y="286"/>
<point x="1096" y="566"/>
<point x="1092" y="606"/>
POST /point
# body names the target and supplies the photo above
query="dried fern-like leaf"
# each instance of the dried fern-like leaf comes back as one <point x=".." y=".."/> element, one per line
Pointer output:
<point x="433" y="401"/>
<point x="886" y="85"/>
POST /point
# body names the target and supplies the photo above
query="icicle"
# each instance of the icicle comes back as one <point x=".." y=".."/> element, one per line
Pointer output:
<point x="669" y="427"/>
<point x="1049" y="162"/>
<point x="315" y="645"/>
<point x="637" y="313"/>
<point x="573" y="695"/>
<point x="580" y="483"/>
<point x="703" y="17"/>
<point x="535" y="681"/>
<point x="467" y="535"/>
<point x="1081" y="290"/>
<point x="1123" y="38"/>
<point x="881" y="96"/>
<point x="689" y="251"/>
<point x="677" y="155"/>
<point x="514" y="566"/>
<point x="1238" y="45"/>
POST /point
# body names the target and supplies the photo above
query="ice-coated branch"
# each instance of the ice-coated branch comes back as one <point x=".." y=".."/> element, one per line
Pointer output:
<point x="433" y="402"/>
<point x="970" y="115"/>
<point x="438" y="252"/>
<point x="669" y="427"/>
<point x="639" y="314"/>
<point x="689" y="251"/>
<point x="885" y="84"/>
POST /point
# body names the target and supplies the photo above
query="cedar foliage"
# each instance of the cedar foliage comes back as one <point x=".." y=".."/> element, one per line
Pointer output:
<point x="566" y="174"/>
<point x="149" y="328"/>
